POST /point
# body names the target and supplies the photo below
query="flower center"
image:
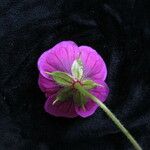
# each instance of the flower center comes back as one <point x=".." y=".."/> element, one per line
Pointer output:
<point x="75" y="82"/>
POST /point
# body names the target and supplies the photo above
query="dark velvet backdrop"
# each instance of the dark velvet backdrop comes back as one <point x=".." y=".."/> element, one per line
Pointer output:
<point x="117" y="29"/>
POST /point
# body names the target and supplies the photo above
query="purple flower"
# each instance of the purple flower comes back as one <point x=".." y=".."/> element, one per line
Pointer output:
<point x="62" y="58"/>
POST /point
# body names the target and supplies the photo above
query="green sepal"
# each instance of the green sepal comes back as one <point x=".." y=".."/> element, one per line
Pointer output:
<point x="63" y="95"/>
<point x="61" y="78"/>
<point x="77" y="69"/>
<point x="89" y="84"/>
<point x="79" y="99"/>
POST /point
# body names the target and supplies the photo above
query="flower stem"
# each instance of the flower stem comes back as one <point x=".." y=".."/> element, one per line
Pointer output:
<point x="110" y="115"/>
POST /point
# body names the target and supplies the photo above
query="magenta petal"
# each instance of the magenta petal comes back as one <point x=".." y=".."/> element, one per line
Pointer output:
<point x="60" y="109"/>
<point x="44" y="66"/>
<point x="101" y="93"/>
<point x="59" y="58"/>
<point x="47" y="86"/>
<point x="94" y="65"/>
<point x="90" y="109"/>
<point x="65" y="52"/>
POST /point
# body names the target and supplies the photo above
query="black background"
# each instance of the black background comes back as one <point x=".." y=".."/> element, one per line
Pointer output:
<point x="117" y="29"/>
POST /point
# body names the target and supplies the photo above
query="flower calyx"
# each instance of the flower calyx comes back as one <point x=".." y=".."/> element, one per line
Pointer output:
<point x="67" y="82"/>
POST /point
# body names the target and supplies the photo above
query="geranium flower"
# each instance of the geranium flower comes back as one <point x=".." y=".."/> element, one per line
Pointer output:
<point x="61" y="58"/>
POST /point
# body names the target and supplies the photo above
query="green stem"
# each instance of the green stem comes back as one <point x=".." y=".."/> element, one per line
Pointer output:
<point x="110" y="115"/>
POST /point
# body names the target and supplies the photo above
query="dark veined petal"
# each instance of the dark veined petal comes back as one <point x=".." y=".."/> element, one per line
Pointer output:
<point x="93" y="64"/>
<point x="101" y="92"/>
<point x="47" y="85"/>
<point x="90" y="108"/>
<point x="60" y="109"/>
<point x="59" y="58"/>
